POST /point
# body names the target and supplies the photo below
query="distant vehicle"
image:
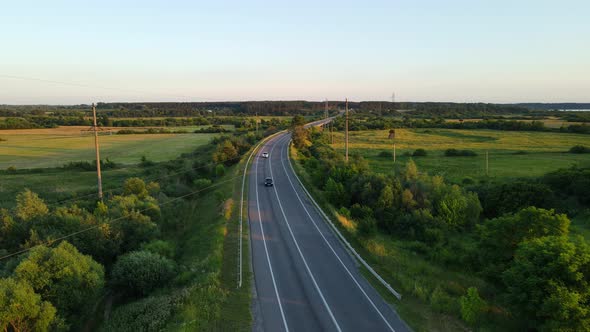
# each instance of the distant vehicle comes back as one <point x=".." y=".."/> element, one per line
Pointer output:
<point x="268" y="182"/>
<point x="264" y="154"/>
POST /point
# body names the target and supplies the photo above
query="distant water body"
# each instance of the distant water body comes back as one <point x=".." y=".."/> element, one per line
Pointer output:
<point x="576" y="110"/>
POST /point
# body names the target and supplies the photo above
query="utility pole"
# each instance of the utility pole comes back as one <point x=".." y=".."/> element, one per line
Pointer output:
<point x="487" y="163"/>
<point x="256" y="120"/>
<point x="394" y="153"/>
<point x="95" y="127"/>
<point x="346" y="132"/>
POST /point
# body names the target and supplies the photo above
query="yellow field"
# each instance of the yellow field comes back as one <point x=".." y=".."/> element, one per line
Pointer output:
<point x="37" y="148"/>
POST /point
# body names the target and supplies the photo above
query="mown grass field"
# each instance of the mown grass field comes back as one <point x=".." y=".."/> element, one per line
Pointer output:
<point x="41" y="148"/>
<point x="543" y="152"/>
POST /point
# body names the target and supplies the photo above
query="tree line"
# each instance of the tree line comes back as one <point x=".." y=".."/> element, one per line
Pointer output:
<point x="362" y="122"/>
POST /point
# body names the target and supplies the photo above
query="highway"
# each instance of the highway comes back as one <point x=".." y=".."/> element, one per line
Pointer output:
<point x="304" y="278"/>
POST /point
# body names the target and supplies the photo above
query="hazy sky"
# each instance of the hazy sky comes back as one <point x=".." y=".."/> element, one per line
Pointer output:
<point x="476" y="50"/>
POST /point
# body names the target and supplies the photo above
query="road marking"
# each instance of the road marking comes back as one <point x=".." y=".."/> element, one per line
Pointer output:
<point x="329" y="245"/>
<point x="317" y="287"/>
<point x="240" y="254"/>
<point x="272" y="275"/>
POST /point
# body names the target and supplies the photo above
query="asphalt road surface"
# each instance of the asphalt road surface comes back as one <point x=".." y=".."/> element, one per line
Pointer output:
<point x="305" y="280"/>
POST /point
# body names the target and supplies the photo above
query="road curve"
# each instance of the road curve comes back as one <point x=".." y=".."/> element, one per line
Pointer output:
<point x="305" y="280"/>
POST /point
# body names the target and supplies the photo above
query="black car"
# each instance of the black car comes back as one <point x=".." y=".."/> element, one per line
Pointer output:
<point x="268" y="182"/>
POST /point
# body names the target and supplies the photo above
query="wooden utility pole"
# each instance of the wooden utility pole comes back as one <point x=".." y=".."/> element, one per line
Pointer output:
<point x="346" y="132"/>
<point x="487" y="163"/>
<point x="95" y="127"/>
<point x="256" y="120"/>
<point x="394" y="153"/>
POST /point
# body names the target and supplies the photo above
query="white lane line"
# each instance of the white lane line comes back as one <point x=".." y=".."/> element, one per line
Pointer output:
<point x="329" y="245"/>
<point x="299" y="250"/>
<point x="272" y="275"/>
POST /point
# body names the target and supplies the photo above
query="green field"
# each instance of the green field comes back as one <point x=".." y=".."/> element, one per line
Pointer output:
<point x="41" y="148"/>
<point x="543" y="151"/>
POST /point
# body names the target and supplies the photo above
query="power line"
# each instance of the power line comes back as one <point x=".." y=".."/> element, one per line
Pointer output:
<point x="52" y="241"/>
<point x="89" y="86"/>
<point x="144" y="178"/>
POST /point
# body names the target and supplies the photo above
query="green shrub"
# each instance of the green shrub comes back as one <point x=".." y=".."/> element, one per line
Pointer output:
<point x="472" y="306"/>
<point x="459" y="153"/>
<point x="146" y="162"/>
<point x="385" y="154"/>
<point x="441" y="301"/>
<point x="419" y="153"/>
<point x="160" y="247"/>
<point x="149" y="314"/>
<point x="468" y="180"/>
<point x="219" y="170"/>
<point x="579" y="149"/>
<point x="140" y="272"/>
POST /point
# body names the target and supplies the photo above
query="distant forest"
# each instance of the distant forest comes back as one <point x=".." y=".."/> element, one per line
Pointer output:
<point x="297" y="107"/>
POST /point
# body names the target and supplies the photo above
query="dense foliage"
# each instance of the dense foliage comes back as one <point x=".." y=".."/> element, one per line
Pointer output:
<point x="523" y="250"/>
<point x="59" y="283"/>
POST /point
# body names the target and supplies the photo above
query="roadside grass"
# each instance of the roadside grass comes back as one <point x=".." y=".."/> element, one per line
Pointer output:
<point x="415" y="277"/>
<point x="511" y="154"/>
<point x="41" y="148"/>
<point x="216" y="303"/>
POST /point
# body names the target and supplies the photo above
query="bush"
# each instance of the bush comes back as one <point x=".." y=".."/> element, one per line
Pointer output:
<point x="219" y="170"/>
<point x="498" y="199"/>
<point x="520" y="152"/>
<point x="140" y="272"/>
<point x="472" y="306"/>
<point x="160" y="247"/>
<point x="385" y="154"/>
<point x="419" y="153"/>
<point x="459" y="153"/>
<point x="443" y="302"/>
<point x="149" y="314"/>
<point x="146" y="162"/>
<point x="579" y="149"/>
<point x="468" y="180"/>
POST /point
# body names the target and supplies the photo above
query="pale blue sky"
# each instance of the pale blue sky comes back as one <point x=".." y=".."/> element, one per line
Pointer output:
<point x="455" y="50"/>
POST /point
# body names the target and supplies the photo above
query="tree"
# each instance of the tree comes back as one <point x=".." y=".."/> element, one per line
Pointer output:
<point x="21" y="309"/>
<point x="548" y="283"/>
<point x="299" y="136"/>
<point x="500" y="237"/>
<point x="456" y="207"/>
<point x="139" y="272"/>
<point x="298" y="120"/>
<point x="135" y="186"/>
<point x="386" y="198"/>
<point x="335" y="193"/>
<point x="411" y="171"/>
<point x="63" y="276"/>
<point x="29" y="206"/>
<point x="471" y="306"/>
<point x="226" y="153"/>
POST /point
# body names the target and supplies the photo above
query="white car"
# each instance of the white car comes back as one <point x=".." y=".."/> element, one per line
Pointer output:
<point x="264" y="154"/>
